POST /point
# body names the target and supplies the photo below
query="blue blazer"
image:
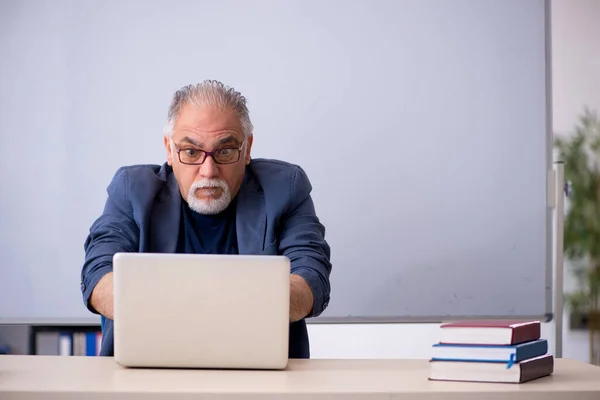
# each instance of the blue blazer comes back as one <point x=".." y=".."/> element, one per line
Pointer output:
<point x="274" y="215"/>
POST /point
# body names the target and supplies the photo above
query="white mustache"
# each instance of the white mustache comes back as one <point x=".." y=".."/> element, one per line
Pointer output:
<point x="209" y="184"/>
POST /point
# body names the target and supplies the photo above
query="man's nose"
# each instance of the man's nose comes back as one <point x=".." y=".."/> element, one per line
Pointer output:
<point x="209" y="169"/>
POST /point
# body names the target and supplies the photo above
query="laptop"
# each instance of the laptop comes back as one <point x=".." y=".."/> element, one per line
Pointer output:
<point x="201" y="311"/>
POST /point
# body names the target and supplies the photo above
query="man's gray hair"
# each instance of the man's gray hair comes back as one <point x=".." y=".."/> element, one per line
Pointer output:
<point x="209" y="93"/>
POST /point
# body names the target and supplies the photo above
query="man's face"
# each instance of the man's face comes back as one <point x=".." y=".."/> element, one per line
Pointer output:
<point x="209" y="187"/>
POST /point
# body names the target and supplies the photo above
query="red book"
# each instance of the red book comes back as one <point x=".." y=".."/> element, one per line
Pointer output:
<point x="490" y="332"/>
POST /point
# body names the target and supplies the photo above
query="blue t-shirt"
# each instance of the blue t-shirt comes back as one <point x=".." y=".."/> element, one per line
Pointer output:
<point x="207" y="234"/>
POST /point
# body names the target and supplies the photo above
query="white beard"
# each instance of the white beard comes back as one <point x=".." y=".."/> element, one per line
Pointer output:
<point x="209" y="206"/>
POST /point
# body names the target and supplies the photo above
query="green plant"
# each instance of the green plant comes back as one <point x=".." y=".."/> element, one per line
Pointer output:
<point x="580" y="152"/>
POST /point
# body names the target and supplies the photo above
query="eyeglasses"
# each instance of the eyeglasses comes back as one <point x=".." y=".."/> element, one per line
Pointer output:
<point x="225" y="155"/>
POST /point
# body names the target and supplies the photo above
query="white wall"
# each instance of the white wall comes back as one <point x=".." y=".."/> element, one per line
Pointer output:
<point x="575" y="59"/>
<point x="576" y="83"/>
<point x="381" y="341"/>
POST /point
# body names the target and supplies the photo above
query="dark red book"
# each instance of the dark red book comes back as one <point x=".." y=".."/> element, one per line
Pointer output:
<point x="490" y="332"/>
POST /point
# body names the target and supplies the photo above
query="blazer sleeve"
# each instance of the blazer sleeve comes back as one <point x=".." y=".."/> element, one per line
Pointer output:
<point x="302" y="240"/>
<point x="114" y="231"/>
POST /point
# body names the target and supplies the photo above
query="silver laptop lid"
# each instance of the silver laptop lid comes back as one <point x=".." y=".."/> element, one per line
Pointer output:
<point x="201" y="311"/>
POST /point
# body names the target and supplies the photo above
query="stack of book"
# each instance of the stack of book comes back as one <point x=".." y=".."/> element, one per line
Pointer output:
<point x="60" y="341"/>
<point x="491" y="351"/>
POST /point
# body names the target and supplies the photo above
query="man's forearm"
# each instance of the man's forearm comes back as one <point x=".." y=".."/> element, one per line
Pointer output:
<point x="102" y="296"/>
<point x="301" y="298"/>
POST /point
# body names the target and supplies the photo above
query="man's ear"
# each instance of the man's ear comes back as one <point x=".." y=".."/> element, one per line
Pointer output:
<point x="169" y="150"/>
<point x="248" y="148"/>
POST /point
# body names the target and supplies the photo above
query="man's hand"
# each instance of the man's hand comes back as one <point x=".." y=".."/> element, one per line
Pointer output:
<point x="102" y="296"/>
<point x="301" y="298"/>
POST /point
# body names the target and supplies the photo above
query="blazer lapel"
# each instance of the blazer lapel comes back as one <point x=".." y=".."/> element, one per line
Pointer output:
<point x="251" y="217"/>
<point x="164" y="226"/>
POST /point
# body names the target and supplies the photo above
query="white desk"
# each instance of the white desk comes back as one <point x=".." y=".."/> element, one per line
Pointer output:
<point x="53" y="377"/>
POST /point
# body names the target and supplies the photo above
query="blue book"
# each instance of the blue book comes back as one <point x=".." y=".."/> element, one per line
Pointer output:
<point x="489" y="353"/>
<point x="90" y="344"/>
